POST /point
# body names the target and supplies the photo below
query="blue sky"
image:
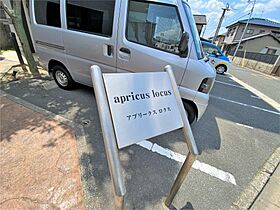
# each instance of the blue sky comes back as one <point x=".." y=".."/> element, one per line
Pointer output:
<point x="269" y="9"/>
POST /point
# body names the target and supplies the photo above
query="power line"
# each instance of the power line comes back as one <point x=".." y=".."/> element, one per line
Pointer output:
<point x="242" y="8"/>
<point x="237" y="12"/>
<point x="212" y="23"/>
<point x="237" y="19"/>
<point x="209" y="27"/>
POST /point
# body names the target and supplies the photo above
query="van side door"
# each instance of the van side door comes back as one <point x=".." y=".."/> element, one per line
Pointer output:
<point x="149" y="37"/>
<point x="90" y="36"/>
<point x="45" y="17"/>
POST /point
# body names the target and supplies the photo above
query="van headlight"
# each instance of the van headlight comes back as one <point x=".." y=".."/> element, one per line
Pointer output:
<point x="206" y="85"/>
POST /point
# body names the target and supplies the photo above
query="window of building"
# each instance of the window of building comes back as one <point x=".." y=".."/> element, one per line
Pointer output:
<point x="232" y="32"/>
<point x="229" y="33"/>
<point x="47" y="12"/>
<point x="250" y="31"/>
<point x="262" y="31"/>
<point x="90" y="16"/>
<point x="154" y="25"/>
<point x="271" y="51"/>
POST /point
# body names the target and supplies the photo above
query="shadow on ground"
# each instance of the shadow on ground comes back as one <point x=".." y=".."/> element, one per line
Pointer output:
<point x="142" y="169"/>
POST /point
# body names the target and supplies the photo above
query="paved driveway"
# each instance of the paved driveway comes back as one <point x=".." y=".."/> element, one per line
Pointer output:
<point x="237" y="135"/>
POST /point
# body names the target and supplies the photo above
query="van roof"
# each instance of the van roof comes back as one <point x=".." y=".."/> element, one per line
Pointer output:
<point x="174" y="2"/>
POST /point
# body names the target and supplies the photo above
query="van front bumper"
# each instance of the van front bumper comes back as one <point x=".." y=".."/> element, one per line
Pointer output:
<point x="201" y="102"/>
<point x="200" y="99"/>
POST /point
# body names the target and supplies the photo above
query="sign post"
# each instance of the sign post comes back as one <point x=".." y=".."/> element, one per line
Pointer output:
<point x="187" y="131"/>
<point x="147" y="102"/>
<point x="108" y="137"/>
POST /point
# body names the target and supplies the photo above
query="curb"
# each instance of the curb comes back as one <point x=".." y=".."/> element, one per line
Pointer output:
<point x="255" y="187"/>
<point x="80" y="140"/>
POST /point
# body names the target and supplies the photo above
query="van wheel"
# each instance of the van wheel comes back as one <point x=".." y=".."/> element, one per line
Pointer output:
<point x="62" y="78"/>
<point x="221" y="69"/>
<point x="191" y="113"/>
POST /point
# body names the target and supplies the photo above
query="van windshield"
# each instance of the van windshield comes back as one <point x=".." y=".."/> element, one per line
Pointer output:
<point x="195" y="35"/>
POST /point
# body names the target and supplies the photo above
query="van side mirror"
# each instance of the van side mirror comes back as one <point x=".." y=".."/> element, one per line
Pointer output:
<point x="183" y="46"/>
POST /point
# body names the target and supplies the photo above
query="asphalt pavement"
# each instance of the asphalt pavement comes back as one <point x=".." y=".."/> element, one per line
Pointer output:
<point x="237" y="134"/>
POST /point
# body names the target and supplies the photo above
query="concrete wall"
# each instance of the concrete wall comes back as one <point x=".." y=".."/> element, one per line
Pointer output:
<point x="255" y="65"/>
<point x="276" y="68"/>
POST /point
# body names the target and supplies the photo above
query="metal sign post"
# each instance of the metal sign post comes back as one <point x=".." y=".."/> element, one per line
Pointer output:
<point x="108" y="137"/>
<point x="193" y="150"/>
<point x="147" y="103"/>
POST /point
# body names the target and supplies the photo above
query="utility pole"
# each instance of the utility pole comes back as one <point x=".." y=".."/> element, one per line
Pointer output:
<point x="245" y="29"/>
<point x="220" y="22"/>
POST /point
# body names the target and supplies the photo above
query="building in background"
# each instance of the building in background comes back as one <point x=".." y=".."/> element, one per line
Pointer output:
<point x="258" y="29"/>
<point x="263" y="43"/>
<point x="220" y="39"/>
<point x="200" y="21"/>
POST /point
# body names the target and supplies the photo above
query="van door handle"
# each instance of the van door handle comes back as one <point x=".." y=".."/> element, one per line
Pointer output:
<point x="109" y="50"/>
<point x="125" y="50"/>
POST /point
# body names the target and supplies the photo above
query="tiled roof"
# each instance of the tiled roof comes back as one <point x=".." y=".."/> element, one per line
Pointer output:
<point x="259" y="21"/>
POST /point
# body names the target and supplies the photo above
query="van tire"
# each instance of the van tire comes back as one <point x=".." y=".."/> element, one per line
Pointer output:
<point x="62" y="77"/>
<point x="190" y="112"/>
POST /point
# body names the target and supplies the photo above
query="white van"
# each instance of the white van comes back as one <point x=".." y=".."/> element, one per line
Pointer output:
<point x="122" y="36"/>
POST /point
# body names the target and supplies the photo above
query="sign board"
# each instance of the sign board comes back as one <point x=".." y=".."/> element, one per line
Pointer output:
<point x="142" y="105"/>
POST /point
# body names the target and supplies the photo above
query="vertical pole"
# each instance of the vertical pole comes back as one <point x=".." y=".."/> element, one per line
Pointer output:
<point x="238" y="45"/>
<point x="180" y="178"/>
<point x="186" y="128"/>
<point x="19" y="55"/>
<point x="15" y="43"/>
<point x="27" y="21"/>
<point x="108" y="136"/>
<point x="220" y="23"/>
<point x="244" y="58"/>
<point x="193" y="150"/>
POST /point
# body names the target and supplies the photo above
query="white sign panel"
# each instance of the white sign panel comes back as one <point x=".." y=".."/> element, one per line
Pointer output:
<point x="142" y="106"/>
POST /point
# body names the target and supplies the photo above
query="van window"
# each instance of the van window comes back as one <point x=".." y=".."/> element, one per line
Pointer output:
<point x="154" y="25"/>
<point x="91" y="16"/>
<point x="47" y="12"/>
